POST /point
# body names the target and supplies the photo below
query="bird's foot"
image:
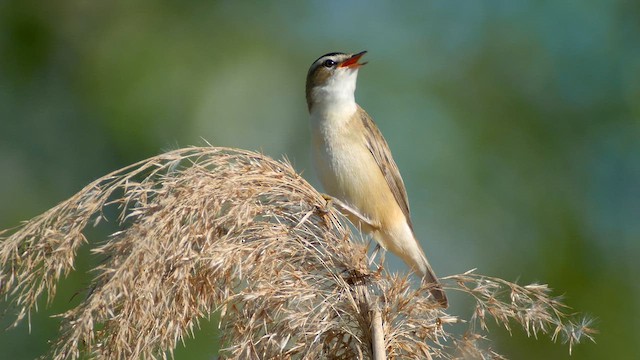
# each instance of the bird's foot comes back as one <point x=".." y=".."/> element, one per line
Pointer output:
<point x="383" y="252"/>
<point x="328" y="205"/>
<point x="379" y="270"/>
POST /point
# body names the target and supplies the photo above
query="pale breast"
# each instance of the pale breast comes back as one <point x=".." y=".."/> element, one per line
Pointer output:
<point x="349" y="172"/>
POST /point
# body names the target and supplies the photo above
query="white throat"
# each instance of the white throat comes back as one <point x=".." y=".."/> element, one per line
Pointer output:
<point x="335" y="99"/>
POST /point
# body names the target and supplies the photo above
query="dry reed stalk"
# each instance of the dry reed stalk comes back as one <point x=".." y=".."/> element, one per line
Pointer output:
<point x="206" y="229"/>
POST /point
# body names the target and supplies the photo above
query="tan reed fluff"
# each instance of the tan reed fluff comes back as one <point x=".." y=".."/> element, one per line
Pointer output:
<point x="215" y="229"/>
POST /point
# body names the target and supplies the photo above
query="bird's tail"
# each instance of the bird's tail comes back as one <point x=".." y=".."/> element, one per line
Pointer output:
<point x="403" y="243"/>
<point x="429" y="278"/>
<point x="418" y="260"/>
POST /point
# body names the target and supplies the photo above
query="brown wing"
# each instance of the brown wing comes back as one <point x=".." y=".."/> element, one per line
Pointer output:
<point x="378" y="147"/>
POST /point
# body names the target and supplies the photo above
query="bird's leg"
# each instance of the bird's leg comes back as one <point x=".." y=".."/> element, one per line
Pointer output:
<point x="378" y="250"/>
<point x="374" y="253"/>
<point x="382" y="255"/>
<point x="344" y="208"/>
<point x="328" y="204"/>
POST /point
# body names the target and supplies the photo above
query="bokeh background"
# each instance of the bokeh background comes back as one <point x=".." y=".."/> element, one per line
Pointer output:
<point x="516" y="125"/>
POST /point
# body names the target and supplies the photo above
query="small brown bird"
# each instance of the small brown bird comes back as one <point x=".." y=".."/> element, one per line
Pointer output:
<point x="355" y="166"/>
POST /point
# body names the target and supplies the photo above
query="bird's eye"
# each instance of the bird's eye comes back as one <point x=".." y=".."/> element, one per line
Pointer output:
<point x="329" y="63"/>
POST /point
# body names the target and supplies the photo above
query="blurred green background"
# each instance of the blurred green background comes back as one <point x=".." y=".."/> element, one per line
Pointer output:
<point x="516" y="125"/>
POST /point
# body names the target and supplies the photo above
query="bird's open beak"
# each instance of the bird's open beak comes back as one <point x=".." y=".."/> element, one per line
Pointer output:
<point x="352" y="62"/>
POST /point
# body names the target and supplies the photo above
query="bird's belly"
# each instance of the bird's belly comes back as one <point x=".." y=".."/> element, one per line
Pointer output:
<point x="350" y="174"/>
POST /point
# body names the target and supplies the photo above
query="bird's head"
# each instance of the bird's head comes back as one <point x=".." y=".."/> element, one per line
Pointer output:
<point x="332" y="78"/>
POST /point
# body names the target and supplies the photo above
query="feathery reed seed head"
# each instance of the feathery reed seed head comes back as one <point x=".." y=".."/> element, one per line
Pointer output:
<point x="206" y="229"/>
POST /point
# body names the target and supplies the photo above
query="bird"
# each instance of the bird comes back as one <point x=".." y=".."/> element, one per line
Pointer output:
<point x="354" y="163"/>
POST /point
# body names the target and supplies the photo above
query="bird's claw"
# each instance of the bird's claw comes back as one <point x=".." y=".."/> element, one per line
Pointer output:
<point x="328" y="205"/>
<point x="379" y="270"/>
<point x="376" y="250"/>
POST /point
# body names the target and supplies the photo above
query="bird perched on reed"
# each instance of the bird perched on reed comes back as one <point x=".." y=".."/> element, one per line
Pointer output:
<point x="355" y="165"/>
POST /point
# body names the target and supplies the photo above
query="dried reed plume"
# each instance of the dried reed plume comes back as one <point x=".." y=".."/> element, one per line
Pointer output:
<point x="212" y="229"/>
